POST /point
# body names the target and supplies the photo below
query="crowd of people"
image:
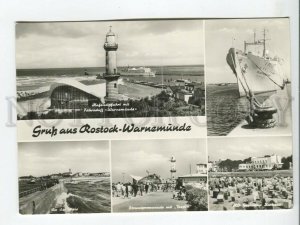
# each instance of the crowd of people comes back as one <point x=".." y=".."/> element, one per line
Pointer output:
<point x="128" y="190"/>
<point x="251" y="193"/>
<point x="179" y="194"/>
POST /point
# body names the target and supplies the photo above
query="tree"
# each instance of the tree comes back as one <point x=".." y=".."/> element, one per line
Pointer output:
<point x="286" y="162"/>
<point x="197" y="199"/>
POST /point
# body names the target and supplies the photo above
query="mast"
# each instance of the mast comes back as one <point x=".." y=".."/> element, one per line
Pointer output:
<point x="255" y="42"/>
<point x="264" y="43"/>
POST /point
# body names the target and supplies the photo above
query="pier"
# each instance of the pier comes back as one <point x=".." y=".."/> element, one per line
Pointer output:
<point x="41" y="202"/>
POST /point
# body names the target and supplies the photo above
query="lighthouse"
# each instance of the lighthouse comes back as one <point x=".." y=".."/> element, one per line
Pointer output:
<point x="173" y="168"/>
<point x="111" y="74"/>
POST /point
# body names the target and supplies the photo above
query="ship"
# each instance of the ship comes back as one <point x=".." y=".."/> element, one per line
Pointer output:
<point x="140" y="71"/>
<point x="258" y="77"/>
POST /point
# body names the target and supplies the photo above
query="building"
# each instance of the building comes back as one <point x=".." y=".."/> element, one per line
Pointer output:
<point x="111" y="74"/>
<point x="192" y="93"/>
<point x="67" y="174"/>
<point x="184" y="95"/>
<point x="201" y="168"/>
<point x="72" y="94"/>
<point x="192" y="179"/>
<point x="268" y="162"/>
<point x="200" y="177"/>
<point x="79" y="174"/>
<point x="213" y="166"/>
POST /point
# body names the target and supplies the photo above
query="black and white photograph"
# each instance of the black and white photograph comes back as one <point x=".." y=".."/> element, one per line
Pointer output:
<point x="250" y="173"/>
<point x="110" y="69"/>
<point x="64" y="177"/>
<point x="248" y="77"/>
<point x="159" y="175"/>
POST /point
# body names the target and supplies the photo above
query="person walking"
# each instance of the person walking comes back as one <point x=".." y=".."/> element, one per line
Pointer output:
<point x="146" y="188"/>
<point x="126" y="190"/>
<point x="141" y="189"/>
<point x="119" y="189"/>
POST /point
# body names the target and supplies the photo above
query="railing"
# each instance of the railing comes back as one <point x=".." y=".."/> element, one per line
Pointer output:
<point x="113" y="46"/>
<point x="39" y="188"/>
<point x="28" y="192"/>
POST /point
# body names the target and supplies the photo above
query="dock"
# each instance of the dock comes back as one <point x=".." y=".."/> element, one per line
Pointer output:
<point x="282" y="101"/>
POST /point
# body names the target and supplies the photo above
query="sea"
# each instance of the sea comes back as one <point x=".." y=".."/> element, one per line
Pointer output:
<point x="224" y="108"/>
<point x="89" y="196"/>
<point x="32" y="79"/>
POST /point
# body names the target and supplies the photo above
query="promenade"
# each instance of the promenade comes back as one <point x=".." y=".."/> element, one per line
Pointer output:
<point x="152" y="202"/>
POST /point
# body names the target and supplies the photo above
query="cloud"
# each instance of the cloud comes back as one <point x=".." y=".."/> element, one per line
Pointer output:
<point x="43" y="158"/>
<point x="81" y="29"/>
<point x="80" y="44"/>
<point x="135" y="157"/>
<point x="55" y="29"/>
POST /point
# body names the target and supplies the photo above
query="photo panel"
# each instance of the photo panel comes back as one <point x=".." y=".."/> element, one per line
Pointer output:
<point x="250" y="173"/>
<point x="110" y="69"/>
<point x="159" y="175"/>
<point x="248" y="79"/>
<point x="64" y="177"/>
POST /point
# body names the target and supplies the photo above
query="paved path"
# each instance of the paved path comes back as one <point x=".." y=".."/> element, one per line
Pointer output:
<point x="153" y="202"/>
<point x="43" y="200"/>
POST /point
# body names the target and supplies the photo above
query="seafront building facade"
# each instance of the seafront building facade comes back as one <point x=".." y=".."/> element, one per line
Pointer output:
<point x="262" y="163"/>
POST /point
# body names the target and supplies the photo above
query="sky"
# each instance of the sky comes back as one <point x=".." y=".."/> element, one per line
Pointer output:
<point x="136" y="157"/>
<point x="220" y="35"/>
<point x="43" y="158"/>
<point x="239" y="148"/>
<point x="80" y="44"/>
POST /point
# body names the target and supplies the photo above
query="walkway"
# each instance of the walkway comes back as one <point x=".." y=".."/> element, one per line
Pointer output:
<point x="153" y="202"/>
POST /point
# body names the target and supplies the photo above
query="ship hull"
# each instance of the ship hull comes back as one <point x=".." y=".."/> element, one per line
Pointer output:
<point x="254" y="73"/>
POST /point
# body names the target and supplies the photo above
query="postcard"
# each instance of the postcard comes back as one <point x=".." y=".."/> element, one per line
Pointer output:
<point x="164" y="115"/>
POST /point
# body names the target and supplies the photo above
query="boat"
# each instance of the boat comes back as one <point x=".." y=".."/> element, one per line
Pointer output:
<point x="258" y="77"/>
<point x="140" y="71"/>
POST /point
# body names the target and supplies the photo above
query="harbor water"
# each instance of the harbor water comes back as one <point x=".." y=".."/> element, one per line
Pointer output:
<point x="225" y="109"/>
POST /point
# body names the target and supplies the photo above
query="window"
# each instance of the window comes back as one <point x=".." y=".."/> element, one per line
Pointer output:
<point x="115" y="85"/>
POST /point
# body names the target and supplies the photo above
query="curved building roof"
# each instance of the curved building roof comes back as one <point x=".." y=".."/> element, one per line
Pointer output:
<point x="97" y="90"/>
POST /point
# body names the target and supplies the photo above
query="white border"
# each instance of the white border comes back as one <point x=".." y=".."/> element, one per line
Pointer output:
<point x="17" y="10"/>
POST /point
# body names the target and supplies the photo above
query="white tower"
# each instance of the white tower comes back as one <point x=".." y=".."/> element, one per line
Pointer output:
<point x="173" y="168"/>
<point x="111" y="76"/>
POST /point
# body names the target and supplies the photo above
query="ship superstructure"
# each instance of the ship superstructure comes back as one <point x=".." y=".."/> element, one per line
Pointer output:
<point x="140" y="71"/>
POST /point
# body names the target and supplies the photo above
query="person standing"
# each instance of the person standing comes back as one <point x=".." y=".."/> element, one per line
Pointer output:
<point x="141" y="189"/>
<point x="146" y="188"/>
<point x="126" y="190"/>
<point x="33" y="207"/>
<point x="119" y="189"/>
